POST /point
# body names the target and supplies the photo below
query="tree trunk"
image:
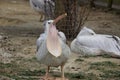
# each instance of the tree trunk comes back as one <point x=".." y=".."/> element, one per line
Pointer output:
<point x="67" y="25"/>
<point x="110" y="2"/>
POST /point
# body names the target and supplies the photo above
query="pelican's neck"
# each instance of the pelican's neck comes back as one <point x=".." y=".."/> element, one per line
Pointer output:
<point x="47" y="30"/>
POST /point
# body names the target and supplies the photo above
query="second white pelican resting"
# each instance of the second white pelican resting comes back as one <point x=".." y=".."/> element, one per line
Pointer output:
<point x="89" y="43"/>
<point x="52" y="49"/>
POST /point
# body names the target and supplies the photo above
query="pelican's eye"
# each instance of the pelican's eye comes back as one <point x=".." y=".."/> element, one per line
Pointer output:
<point x="49" y="22"/>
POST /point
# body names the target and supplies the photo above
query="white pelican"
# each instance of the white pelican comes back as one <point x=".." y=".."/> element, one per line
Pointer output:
<point x="89" y="43"/>
<point x="44" y="7"/>
<point x="52" y="49"/>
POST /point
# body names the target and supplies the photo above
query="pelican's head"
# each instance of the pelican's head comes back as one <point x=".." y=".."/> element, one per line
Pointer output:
<point x="86" y="31"/>
<point x="47" y="24"/>
<point x="53" y="41"/>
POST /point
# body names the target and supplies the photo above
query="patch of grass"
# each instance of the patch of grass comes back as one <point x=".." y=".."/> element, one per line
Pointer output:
<point x="102" y="65"/>
<point x="106" y="56"/>
<point x="16" y="77"/>
<point x="32" y="73"/>
<point x="76" y="76"/>
<point x="81" y="76"/>
<point x="87" y="56"/>
<point x="91" y="76"/>
<point x="96" y="67"/>
<point x="79" y="60"/>
<point x="6" y="65"/>
<point x="13" y="71"/>
<point x="32" y="59"/>
<point x="25" y="74"/>
<point x="111" y="74"/>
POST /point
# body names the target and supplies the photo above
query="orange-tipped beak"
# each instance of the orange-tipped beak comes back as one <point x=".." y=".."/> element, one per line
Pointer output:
<point x="59" y="18"/>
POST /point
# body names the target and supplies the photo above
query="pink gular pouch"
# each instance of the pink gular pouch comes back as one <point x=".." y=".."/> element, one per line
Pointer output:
<point x="53" y="41"/>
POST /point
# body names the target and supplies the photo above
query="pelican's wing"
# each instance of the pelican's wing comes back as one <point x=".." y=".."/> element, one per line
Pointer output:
<point x="116" y="42"/>
<point x="77" y="47"/>
<point x="40" y="40"/>
<point x="41" y="3"/>
<point x="65" y="50"/>
<point x="62" y="36"/>
<point x="116" y="38"/>
<point x="41" y="47"/>
<point x="51" y="2"/>
<point x="37" y="4"/>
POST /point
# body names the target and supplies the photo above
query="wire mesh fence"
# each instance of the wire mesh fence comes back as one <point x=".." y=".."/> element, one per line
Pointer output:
<point x="76" y="16"/>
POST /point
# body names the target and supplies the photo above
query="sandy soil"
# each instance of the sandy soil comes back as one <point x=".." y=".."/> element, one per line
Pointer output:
<point x="19" y="28"/>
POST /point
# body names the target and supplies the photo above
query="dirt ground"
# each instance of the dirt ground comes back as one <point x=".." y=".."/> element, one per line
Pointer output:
<point x="19" y="29"/>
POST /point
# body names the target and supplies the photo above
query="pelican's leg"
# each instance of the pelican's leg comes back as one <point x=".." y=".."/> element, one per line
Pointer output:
<point x="62" y="70"/>
<point x="41" y="17"/>
<point x="47" y="72"/>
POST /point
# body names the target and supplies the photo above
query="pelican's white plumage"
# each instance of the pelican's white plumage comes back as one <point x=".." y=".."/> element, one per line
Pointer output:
<point x="44" y="56"/>
<point x="90" y="43"/>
